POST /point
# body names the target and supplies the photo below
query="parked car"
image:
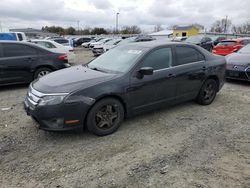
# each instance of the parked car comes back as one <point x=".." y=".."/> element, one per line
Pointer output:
<point x="217" y="39"/>
<point x="238" y="64"/>
<point x="144" y="38"/>
<point x="201" y="40"/>
<point x="62" y="41"/>
<point x="57" y="48"/>
<point x="125" y="81"/>
<point x="226" y="47"/>
<point x="79" y="41"/>
<point x="99" y="49"/>
<point x="136" y="39"/>
<point x="111" y="44"/>
<point x="16" y="36"/>
<point x="22" y="62"/>
<point x="86" y="44"/>
<point x="179" y="39"/>
<point x="102" y="41"/>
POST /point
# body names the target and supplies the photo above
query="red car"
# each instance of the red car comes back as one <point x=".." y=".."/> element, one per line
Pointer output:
<point x="226" y="47"/>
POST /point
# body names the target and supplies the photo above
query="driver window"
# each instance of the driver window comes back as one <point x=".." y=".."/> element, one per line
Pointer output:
<point x="158" y="59"/>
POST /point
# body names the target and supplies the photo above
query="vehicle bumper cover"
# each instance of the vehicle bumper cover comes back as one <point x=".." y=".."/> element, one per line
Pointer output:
<point x="52" y="117"/>
<point x="238" y="75"/>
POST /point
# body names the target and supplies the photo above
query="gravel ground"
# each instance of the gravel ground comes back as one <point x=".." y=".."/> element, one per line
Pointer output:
<point x="183" y="146"/>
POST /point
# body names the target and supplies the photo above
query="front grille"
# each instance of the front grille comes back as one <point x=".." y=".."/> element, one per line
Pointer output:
<point x="248" y="72"/>
<point x="236" y="74"/>
<point x="33" y="97"/>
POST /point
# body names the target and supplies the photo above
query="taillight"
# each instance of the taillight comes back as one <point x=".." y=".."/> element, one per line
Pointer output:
<point x="62" y="57"/>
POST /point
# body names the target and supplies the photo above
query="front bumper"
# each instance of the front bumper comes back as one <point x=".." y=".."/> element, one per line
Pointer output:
<point x="97" y="51"/>
<point x="238" y="74"/>
<point x="57" y="117"/>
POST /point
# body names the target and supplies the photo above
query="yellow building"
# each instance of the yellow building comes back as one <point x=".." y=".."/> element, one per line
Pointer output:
<point x="185" y="31"/>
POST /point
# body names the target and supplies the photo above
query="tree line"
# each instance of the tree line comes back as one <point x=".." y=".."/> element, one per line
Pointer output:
<point x="219" y="26"/>
<point x="226" y="26"/>
<point x="91" y="31"/>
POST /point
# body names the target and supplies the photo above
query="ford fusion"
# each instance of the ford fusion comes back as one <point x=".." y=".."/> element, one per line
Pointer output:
<point x="127" y="80"/>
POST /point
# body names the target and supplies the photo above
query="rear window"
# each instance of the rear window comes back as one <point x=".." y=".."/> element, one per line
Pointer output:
<point x="61" y="41"/>
<point x="227" y="43"/>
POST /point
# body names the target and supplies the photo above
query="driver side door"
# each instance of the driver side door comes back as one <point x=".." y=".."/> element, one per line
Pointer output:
<point x="151" y="91"/>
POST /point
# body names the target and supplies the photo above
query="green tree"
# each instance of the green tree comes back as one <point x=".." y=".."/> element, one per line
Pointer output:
<point x="131" y="30"/>
<point x="98" y="31"/>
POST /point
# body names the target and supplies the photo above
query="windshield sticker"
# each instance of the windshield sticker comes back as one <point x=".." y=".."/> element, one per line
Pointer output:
<point x="134" y="51"/>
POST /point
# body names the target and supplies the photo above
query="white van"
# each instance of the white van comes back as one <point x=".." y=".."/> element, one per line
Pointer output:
<point x="16" y="36"/>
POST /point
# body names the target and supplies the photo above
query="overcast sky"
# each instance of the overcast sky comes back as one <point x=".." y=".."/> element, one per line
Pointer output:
<point x="144" y="13"/>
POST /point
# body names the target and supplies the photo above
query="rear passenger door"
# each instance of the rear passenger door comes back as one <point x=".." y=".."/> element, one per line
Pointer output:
<point x="16" y="63"/>
<point x="190" y="71"/>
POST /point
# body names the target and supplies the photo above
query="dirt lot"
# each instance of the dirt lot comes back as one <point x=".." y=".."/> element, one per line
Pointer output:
<point x="183" y="146"/>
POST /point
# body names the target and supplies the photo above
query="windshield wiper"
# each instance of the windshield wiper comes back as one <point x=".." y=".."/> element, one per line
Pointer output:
<point x="96" y="69"/>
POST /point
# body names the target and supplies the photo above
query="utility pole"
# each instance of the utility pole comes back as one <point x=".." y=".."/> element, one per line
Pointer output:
<point x="78" y="28"/>
<point x="117" y="22"/>
<point x="1" y="29"/>
<point x="225" y="27"/>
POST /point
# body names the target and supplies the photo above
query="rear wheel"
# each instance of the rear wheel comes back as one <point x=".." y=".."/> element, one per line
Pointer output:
<point x="105" y="117"/>
<point x="208" y="92"/>
<point x="42" y="72"/>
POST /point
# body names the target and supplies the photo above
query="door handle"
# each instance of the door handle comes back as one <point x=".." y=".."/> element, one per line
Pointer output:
<point x="204" y="68"/>
<point x="171" y="75"/>
<point x="30" y="59"/>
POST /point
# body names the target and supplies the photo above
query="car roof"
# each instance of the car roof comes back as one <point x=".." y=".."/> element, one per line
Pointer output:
<point x="23" y="42"/>
<point x="17" y="42"/>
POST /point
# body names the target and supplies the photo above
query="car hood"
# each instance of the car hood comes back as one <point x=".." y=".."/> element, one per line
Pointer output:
<point x="238" y="59"/>
<point x="70" y="79"/>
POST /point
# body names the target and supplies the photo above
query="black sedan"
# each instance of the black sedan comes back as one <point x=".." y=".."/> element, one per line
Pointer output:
<point x="127" y="80"/>
<point x="22" y="62"/>
<point x="202" y="41"/>
<point x="238" y="65"/>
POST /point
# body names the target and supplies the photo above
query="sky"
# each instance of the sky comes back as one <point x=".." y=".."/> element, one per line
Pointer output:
<point x="102" y="13"/>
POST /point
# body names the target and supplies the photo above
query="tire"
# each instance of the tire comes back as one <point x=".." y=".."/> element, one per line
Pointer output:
<point x="207" y="92"/>
<point x="105" y="117"/>
<point x="42" y="72"/>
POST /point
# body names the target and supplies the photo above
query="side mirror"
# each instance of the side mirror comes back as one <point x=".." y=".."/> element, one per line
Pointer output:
<point x="145" y="71"/>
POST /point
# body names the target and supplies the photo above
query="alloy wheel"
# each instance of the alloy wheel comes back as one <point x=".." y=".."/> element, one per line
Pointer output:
<point x="43" y="73"/>
<point x="106" y="116"/>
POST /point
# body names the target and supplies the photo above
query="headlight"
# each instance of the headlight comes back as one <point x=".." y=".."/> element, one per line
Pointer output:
<point x="51" y="100"/>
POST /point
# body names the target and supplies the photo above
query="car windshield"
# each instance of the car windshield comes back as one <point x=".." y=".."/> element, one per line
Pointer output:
<point x="118" y="60"/>
<point x="194" y="39"/>
<point x="245" y="50"/>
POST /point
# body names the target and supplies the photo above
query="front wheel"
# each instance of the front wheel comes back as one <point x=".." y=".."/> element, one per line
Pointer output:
<point x="105" y="117"/>
<point x="207" y="92"/>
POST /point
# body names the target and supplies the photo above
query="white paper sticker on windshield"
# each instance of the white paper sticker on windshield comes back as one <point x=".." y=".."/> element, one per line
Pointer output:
<point x="134" y="51"/>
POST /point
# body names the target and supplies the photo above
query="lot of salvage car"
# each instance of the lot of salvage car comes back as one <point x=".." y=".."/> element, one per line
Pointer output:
<point x="184" y="146"/>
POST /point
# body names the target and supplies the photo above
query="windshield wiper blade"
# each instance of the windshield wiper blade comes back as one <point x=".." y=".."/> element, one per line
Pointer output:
<point x="96" y="69"/>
